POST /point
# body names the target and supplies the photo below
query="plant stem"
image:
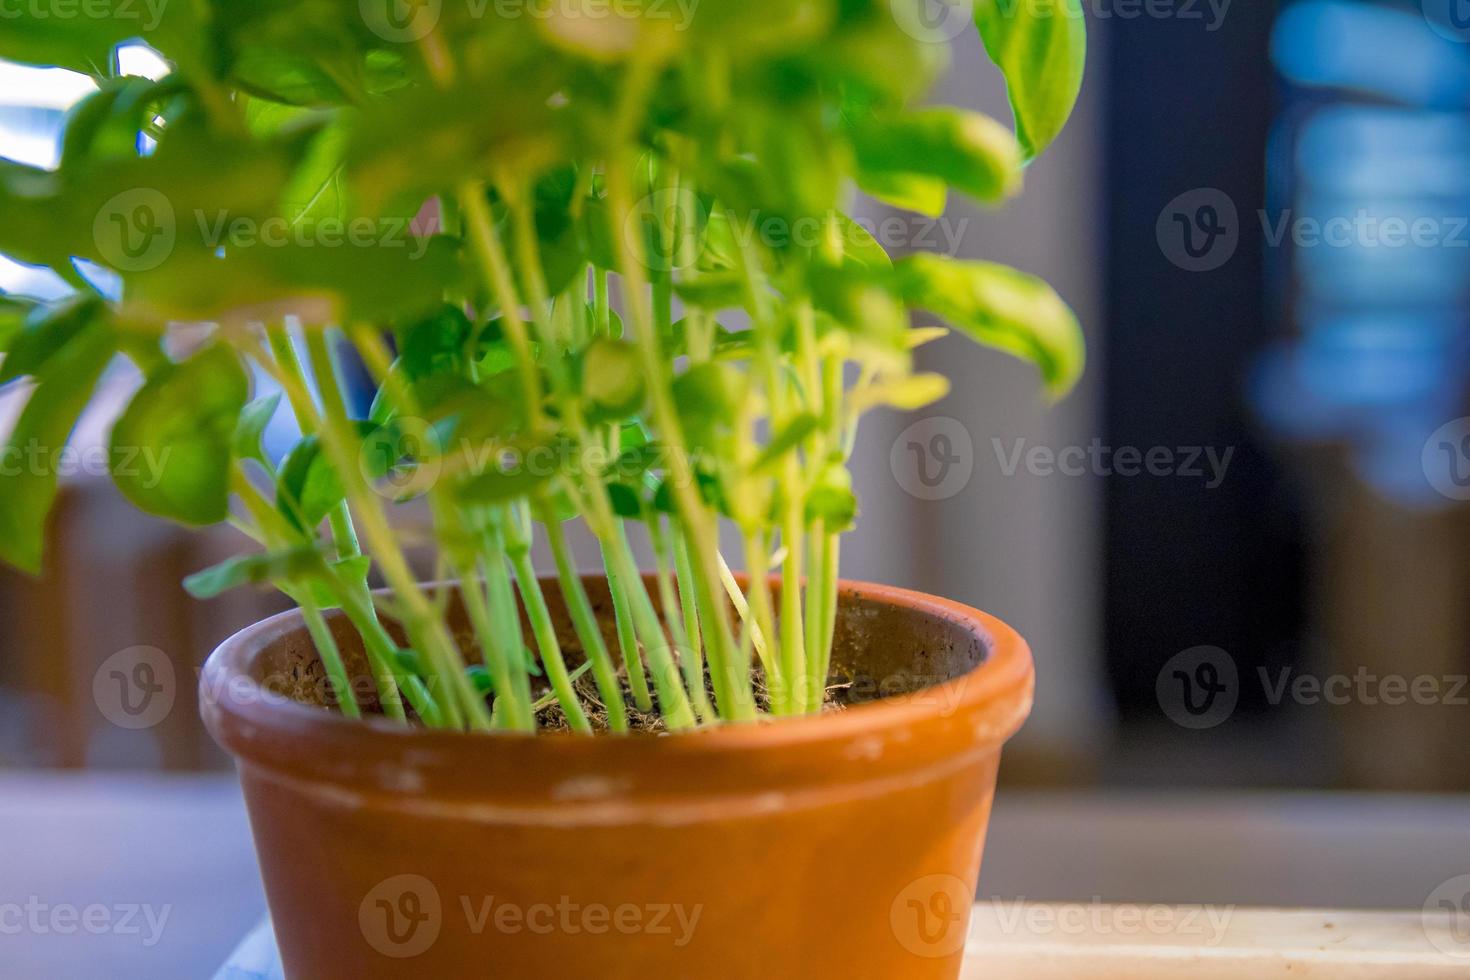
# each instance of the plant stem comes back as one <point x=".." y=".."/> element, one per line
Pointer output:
<point x="326" y="647"/>
<point x="678" y="620"/>
<point x="504" y="617"/>
<point x="684" y="573"/>
<point x="427" y="631"/>
<point x="579" y="606"/>
<point x="292" y="377"/>
<point x="496" y="270"/>
<point x="510" y="710"/>
<point x="627" y="636"/>
<point x="518" y="526"/>
<point x="739" y="703"/>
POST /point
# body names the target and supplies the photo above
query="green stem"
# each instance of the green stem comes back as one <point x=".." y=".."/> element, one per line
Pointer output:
<point x="326" y="647"/>
<point x="293" y="376"/>
<point x="678" y="618"/>
<point x="739" y="703"/>
<point x="579" y="606"/>
<point x="757" y="560"/>
<point x="510" y="709"/>
<point x="504" y="617"/>
<point x="627" y="636"/>
<point x="546" y="641"/>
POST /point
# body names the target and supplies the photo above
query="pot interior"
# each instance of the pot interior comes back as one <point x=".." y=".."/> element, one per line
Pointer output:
<point x="883" y="648"/>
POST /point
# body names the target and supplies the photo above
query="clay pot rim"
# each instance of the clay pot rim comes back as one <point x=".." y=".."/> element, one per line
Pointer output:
<point x="271" y="732"/>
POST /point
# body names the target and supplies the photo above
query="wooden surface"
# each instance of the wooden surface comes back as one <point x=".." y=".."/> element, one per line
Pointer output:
<point x="73" y="841"/>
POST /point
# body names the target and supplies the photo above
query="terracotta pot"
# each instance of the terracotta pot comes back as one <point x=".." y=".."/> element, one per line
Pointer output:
<point x="842" y="846"/>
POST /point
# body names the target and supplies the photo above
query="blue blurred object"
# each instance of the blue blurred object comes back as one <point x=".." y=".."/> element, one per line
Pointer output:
<point x="1368" y="232"/>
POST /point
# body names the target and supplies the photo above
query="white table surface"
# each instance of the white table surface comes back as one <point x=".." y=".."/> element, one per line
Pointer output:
<point x="182" y="843"/>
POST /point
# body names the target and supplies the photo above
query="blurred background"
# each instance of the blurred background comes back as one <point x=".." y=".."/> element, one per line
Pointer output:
<point x="1237" y="550"/>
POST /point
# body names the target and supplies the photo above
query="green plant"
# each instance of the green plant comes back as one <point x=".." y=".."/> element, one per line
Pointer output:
<point x="691" y="160"/>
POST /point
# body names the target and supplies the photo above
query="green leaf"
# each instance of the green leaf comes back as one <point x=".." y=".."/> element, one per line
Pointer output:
<point x="308" y="487"/>
<point x="1041" y="48"/>
<point x="80" y="43"/>
<point x="793" y="434"/>
<point x="184" y="418"/>
<point x="314" y="588"/>
<point x="707" y="394"/>
<point x="501" y="483"/>
<point x="906" y="394"/>
<point x="14" y="310"/>
<point x="246" y="442"/>
<point x="395" y="275"/>
<point x="29" y="458"/>
<point x="859" y="246"/>
<point x="860" y="301"/>
<point x="275" y="566"/>
<point x="625" y="500"/>
<point x="612" y="380"/>
<point x="967" y="150"/>
<point x="46" y="332"/>
<point x="909" y="192"/>
<point x="434" y="344"/>
<point x="999" y="307"/>
<point x="831" y="498"/>
<point x="716" y="291"/>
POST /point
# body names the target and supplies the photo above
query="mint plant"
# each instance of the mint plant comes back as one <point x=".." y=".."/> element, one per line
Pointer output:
<point x="596" y="260"/>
